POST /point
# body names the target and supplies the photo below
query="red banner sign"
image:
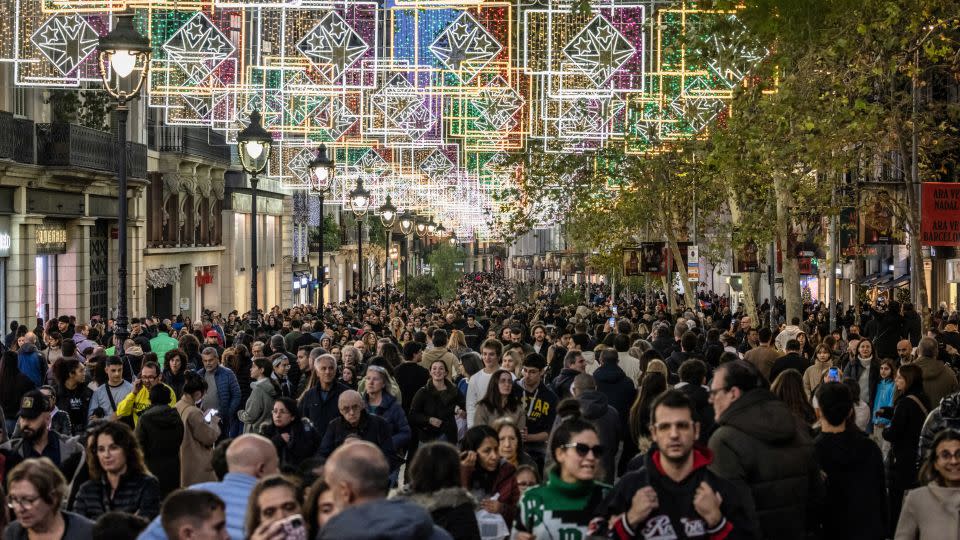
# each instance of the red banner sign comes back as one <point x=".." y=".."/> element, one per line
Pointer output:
<point x="940" y="222"/>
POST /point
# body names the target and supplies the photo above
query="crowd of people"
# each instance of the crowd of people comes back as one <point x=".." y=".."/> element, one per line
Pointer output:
<point x="488" y="416"/>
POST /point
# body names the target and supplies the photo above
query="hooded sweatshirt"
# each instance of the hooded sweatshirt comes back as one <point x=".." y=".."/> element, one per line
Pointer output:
<point x="855" y="487"/>
<point x="383" y="520"/>
<point x="939" y="381"/>
<point x="675" y="516"/>
<point x="560" y="509"/>
<point x="595" y="408"/>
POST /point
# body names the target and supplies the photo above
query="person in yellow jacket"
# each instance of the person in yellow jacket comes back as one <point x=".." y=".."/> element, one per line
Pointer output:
<point x="138" y="400"/>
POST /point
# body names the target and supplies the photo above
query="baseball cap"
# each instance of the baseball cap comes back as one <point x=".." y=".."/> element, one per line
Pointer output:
<point x="213" y="333"/>
<point x="33" y="404"/>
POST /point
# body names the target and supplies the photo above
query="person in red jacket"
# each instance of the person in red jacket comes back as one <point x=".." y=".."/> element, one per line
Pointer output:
<point x="674" y="495"/>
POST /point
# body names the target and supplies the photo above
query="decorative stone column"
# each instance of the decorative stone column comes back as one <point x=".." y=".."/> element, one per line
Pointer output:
<point x="21" y="268"/>
<point x="74" y="294"/>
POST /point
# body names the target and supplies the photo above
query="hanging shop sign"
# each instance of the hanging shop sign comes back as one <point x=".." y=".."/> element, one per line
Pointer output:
<point x="631" y="262"/>
<point x="51" y="238"/>
<point x="748" y="258"/>
<point x="652" y="257"/>
<point x="940" y="219"/>
<point x="693" y="263"/>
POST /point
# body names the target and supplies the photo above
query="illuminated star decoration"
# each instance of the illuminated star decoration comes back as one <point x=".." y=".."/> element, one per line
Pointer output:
<point x="599" y="50"/>
<point x="465" y="47"/>
<point x="198" y="47"/>
<point x="65" y="40"/>
<point x="437" y="165"/>
<point x="332" y="44"/>
<point x="732" y="57"/>
<point x="498" y="103"/>
<point x="403" y="109"/>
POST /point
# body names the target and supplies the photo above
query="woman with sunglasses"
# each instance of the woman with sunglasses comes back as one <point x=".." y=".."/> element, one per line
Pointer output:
<point x="933" y="511"/>
<point x="570" y="495"/>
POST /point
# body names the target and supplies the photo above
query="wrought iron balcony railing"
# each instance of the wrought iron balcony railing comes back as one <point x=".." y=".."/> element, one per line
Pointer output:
<point x="70" y="145"/>
<point x="194" y="141"/>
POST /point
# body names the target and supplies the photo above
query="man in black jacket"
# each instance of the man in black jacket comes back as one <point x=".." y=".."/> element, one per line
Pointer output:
<point x="855" y="506"/>
<point x="675" y="495"/>
<point x="356" y="422"/>
<point x="791" y="360"/>
<point x="319" y="404"/>
<point x="764" y="451"/>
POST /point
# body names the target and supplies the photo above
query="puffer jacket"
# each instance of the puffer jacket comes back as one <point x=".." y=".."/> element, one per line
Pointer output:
<point x="160" y="432"/>
<point x="947" y="415"/>
<point x="452" y="509"/>
<point x="136" y="494"/>
<point x="30" y="363"/>
<point x="390" y="410"/>
<point x="761" y="447"/>
<point x="259" y="406"/>
<point x="428" y="403"/>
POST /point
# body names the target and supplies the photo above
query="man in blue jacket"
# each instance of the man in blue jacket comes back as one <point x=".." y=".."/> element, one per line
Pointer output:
<point x="223" y="391"/>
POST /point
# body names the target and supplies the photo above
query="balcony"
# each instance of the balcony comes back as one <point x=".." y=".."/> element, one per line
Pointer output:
<point x="16" y="138"/>
<point x="192" y="141"/>
<point x="70" y="145"/>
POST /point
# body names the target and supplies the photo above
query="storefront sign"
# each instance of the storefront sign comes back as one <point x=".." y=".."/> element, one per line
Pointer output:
<point x="940" y="219"/>
<point x="631" y="262"/>
<point x="693" y="263"/>
<point x="51" y="239"/>
<point x="5" y="241"/>
<point x="652" y="257"/>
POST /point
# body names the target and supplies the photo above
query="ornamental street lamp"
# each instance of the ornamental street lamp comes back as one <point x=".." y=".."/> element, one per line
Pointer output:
<point x="322" y="170"/>
<point x="453" y="238"/>
<point x="421" y="224"/>
<point x="123" y="50"/>
<point x="441" y="230"/>
<point x="388" y="216"/>
<point x="407" y="221"/>
<point x="254" y="144"/>
<point x="359" y="202"/>
<point x="431" y="226"/>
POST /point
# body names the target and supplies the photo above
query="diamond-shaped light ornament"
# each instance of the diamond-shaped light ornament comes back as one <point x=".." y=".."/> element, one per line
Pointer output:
<point x="198" y="47"/>
<point x="465" y="47"/>
<point x="599" y="50"/>
<point x="498" y="104"/>
<point x="333" y="46"/>
<point x="66" y="41"/>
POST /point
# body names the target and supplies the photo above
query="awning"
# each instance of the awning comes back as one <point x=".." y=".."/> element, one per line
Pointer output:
<point x="894" y="283"/>
<point x="870" y="280"/>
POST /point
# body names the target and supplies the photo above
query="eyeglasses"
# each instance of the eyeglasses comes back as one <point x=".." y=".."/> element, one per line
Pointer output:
<point x="23" y="502"/>
<point x="351" y="408"/>
<point x="530" y="483"/>
<point x="947" y="456"/>
<point x="583" y="449"/>
<point x="714" y="391"/>
<point x="681" y="426"/>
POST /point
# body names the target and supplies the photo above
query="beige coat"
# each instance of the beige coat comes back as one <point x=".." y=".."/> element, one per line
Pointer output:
<point x="487" y="416"/>
<point x="930" y="512"/>
<point x="197" y="447"/>
<point x="813" y="376"/>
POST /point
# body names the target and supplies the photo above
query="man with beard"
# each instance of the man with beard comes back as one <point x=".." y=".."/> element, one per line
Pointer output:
<point x="674" y="495"/>
<point x="38" y="440"/>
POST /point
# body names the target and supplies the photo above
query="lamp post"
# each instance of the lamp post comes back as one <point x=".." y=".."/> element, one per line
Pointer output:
<point x="388" y="216"/>
<point x="254" y="144"/>
<point x="421" y="228"/>
<point x="322" y="169"/>
<point x="407" y="221"/>
<point x="359" y="203"/>
<point x="124" y="50"/>
<point x="453" y="238"/>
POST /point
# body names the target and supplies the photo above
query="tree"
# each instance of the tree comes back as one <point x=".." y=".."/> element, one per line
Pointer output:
<point x="446" y="265"/>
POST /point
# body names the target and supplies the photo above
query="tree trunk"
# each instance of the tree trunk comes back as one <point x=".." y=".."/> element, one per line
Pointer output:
<point x="666" y="222"/>
<point x="790" y="269"/>
<point x="746" y="278"/>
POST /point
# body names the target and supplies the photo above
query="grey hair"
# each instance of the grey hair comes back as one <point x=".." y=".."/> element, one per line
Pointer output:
<point x="210" y="351"/>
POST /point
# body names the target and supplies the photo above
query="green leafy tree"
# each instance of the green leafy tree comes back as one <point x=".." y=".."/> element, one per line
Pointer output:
<point x="446" y="264"/>
<point x="421" y="290"/>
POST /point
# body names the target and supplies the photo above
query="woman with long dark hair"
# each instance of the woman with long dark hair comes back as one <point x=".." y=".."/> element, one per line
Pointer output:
<point x="435" y="485"/>
<point x="652" y="385"/>
<point x="484" y="473"/>
<point x="910" y="408"/>
<point x="174" y="369"/>
<point x="788" y="386"/>
<point x="502" y="399"/>
<point x="292" y="435"/>
<point x="119" y="479"/>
